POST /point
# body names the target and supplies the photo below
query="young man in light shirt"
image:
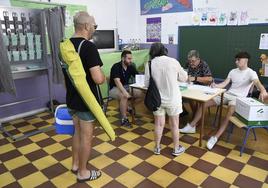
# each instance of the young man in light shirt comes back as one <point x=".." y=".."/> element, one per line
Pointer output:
<point x="241" y="79"/>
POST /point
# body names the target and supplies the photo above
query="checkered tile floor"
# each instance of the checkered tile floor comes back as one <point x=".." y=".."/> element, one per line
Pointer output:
<point x="44" y="160"/>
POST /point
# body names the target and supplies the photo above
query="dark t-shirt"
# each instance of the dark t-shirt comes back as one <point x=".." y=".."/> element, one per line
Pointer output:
<point x="118" y="71"/>
<point x="201" y="71"/>
<point x="90" y="58"/>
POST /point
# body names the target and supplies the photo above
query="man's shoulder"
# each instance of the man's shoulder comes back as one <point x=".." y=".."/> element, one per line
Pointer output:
<point x="116" y="65"/>
<point x="86" y="43"/>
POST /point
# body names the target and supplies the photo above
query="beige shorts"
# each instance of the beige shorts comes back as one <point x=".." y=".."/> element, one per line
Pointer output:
<point x="228" y="99"/>
<point x="115" y="93"/>
<point x="170" y="111"/>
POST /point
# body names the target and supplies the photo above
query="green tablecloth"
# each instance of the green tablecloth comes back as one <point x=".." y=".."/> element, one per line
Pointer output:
<point x="140" y="57"/>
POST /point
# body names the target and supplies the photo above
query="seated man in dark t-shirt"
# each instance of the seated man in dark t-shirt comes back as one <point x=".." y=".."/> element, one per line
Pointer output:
<point x="198" y="70"/>
<point x="120" y="75"/>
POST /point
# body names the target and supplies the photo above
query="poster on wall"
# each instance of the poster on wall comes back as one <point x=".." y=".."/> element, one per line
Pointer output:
<point x="153" y="29"/>
<point x="243" y="18"/>
<point x="165" y="6"/>
<point x="263" y="41"/>
<point x="232" y="18"/>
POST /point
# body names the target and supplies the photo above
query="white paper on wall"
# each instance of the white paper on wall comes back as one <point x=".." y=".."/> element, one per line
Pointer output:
<point x="263" y="41"/>
<point x="232" y="18"/>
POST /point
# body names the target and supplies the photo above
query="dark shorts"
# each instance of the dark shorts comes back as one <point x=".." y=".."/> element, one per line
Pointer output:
<point x="85" y="116"/>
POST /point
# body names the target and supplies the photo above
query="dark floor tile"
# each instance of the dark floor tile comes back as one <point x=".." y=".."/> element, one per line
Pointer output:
<point x="119" y="131"/>
<point x="139" y="122"/>
<point x="175" y="168"/>
<point x="141" y="141"/>
<point x="167" y="152"/>
<point x="54" y="170"/>
<point x="257" y="162"/>
<point x="47" y="117"/>
<point x="23" y="171"/>
<point x="47" y="184"/>
<point x="166" y="140"/>
<point x="79" y="185"/>
<point x="118" y="142"/>
<point x="145" y="169"/>
<point x="195" y="151"/>
<point x="246" y="150"/>
<point x="29" y="117"/>
<point x="9" y="155"/>
<point x="40" y="124"/>
<point x="188" y="139"/>
<point x="21" y="124"/>
<point x="96" y="141"/>
<point x="143" y="153"/>
<point x="46" y="142"/>
<point x="214" y="182"/>
<point x="221" y="150"/>
<point x="114" y="184"/>
<point x="36" y="155"/>
<point x="98" y="131"/>
<point x="3" y="141"/>
<point x="147" y="184"/>
<point x="115" y="169"/>
<point x="179" y="182"/>
<point x="23" y="142"/>
<point x="166" y="130"/>
<point x="14" y="132"/>
<point x="94" y="154"/>
<point x="51" y="133"/>
<point x="67" y="142"/>
<point x="3" y="169"/>
<point x="232" y="164"/>
<point x="266" y="181"/>
<point x="61" y="155"/>
<point x="13" y="185"/>
<point x="204" y="166"/>
<point x="140" y="131"/>
<point x="116" y="154"/>
<point x="246" y="182"/>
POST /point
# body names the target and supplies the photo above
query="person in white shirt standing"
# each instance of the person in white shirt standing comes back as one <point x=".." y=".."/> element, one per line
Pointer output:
<point x="166" y="72"/>
<point x="241" y="80"/>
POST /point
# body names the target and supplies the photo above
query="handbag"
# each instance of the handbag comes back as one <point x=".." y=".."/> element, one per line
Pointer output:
<point x="152" y="98"/>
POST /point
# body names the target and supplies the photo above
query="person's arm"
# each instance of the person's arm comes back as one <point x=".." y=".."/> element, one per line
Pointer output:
<point x="97" y="75"/>
<point x="182" y="74"/>
<point x="222" y="84"/>
<point x="146" y="75"/>
<point x="263" y="92"/>
<point x="206" y="80"/>
<point x="120" y="86"/>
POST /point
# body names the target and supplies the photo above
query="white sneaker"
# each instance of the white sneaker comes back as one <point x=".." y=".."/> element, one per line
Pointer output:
<point x="188" y="129"/>
<point x="211" y="142"/>
<point x="178" y="151"/>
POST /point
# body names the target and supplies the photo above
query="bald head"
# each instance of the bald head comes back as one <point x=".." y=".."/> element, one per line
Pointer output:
<point x="81" y="19"/>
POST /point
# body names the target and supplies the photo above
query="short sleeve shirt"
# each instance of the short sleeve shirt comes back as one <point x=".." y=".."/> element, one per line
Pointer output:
<point x="90" y="58"/>
<point x="201" y="71"/>
<point x="118" y="71"/>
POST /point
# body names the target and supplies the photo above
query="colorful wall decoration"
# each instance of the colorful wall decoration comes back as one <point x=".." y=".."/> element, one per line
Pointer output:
<point x="153" y="29"/>
<point x="165" y="6"/>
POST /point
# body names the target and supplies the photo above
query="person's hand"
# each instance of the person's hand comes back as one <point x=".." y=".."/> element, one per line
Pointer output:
<point x="191" y="79"/>
<point x="127" y="95"/>
<point x="263" y="95"/>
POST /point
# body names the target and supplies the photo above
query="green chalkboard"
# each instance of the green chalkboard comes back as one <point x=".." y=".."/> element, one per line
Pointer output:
<point x="219" y="44"/>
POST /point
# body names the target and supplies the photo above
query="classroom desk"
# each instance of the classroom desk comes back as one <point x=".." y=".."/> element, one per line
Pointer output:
<point x="198" y="93"/>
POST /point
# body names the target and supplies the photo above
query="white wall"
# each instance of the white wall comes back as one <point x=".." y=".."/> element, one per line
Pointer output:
<point x="4" y="3"/>
<point x="257" y="10"/>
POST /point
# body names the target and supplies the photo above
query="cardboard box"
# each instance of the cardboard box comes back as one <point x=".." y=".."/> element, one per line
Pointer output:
<point x="251" y="111"/>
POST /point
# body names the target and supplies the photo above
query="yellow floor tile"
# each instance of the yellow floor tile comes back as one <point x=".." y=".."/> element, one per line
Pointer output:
<point x="265" y="185"/>
<point x="150" y="146"/>
<point x="35" y="120"/>
<point x="255" y="173"/>
<point x="50" y="121"/>
<point x="162" y="177"/>
<point x="53" y="148"/>
<point x="112" y="119"/>
<point x="9" y="127"/>
<point x="103" y="180"/>
<point x="130" y="178"/>
<point x="236" y="156"/>
<point x="233" y="186"/>
<point x="149" y="135"/>
<point x="224" y="174"/>
<point x="129" y="136"/>
<point x="149" y="126"/>
<point x="39" y="137"/>
<point x="186" y="159"/>
<point x="33" y="180"/>
<point x="67" y="163"/>
<point x="101" y="162"/>
<point x="104" y="147"/>
<point x="16" y="121"/>
<point x="129" y="147"/>
<point x="213" y="158"/>
<point x="61" y="137"/>
<point x="130" y="161"/>
<point x="29" y="148"/>
<point x="194" y="176"/>
<point x="226" y="144"/>
<point x="44" y="162"/>
<point x="158" y="160"/>
<point x="16" y="162"/>
<point x="6" y="148"/>
<point x="26" y="128"/>
<point x="64" y="180"/>
<point x="260" y="155"/>
<point x="6" y="179"/>
<point x="103" y="137"/>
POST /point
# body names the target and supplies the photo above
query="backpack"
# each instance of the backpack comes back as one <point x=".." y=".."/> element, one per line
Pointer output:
<point x="152" y="98"/>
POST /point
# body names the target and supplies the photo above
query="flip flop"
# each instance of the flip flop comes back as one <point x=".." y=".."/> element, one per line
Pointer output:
<point x="94" y="174"/>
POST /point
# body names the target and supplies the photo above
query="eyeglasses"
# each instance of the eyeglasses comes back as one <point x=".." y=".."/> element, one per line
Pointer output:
<point x="95" y="26"/>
